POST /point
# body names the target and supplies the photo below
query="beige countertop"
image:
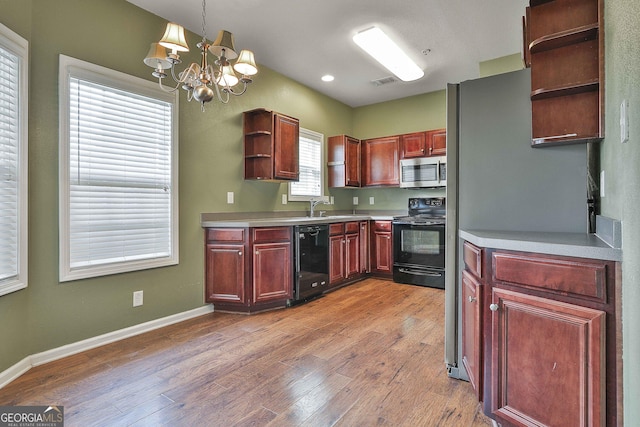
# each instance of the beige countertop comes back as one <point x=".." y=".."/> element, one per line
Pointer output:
<point x="288" y="218"/>
<point x="581" y="245"/>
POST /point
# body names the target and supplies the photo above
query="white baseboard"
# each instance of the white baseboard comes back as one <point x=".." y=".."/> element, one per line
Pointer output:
<point x="28" y="362"/>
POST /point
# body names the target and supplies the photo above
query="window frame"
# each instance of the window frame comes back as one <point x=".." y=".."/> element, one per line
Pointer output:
<point x="72" y="67"/>
<point x="318" y="137"/>
<point x="11" y="41"/>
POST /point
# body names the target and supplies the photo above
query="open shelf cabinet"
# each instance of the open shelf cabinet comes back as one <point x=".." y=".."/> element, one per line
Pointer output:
<point x="564" y="42"/>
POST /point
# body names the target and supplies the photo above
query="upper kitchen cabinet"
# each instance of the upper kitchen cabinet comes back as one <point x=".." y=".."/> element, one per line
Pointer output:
<point x="423" y="144"/>
<point x="270" y="146"/>
<point x="380" y="161"/>
<point x="566" y="52"/>
<point x="343" y="163"/>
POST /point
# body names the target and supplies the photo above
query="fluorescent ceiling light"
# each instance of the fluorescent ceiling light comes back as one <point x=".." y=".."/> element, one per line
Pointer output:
<point x="377" y="44"/>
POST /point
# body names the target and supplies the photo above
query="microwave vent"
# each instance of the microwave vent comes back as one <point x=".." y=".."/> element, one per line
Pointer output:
<point x="384" y="81"/>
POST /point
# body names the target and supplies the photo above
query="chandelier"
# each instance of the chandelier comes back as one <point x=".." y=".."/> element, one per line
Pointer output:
<point x="202" y="81"/>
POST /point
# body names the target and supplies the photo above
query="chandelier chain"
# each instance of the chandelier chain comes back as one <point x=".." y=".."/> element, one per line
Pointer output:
<point x="204" y="16"/>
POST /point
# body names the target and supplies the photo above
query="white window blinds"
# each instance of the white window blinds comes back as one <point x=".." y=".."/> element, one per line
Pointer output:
<point x="13" y="164"/>
<point x="311" y="179"/>
<point x="120" y="180"/>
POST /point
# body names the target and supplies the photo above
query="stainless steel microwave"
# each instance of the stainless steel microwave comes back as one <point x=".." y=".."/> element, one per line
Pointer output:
<point x="423" y="172"/>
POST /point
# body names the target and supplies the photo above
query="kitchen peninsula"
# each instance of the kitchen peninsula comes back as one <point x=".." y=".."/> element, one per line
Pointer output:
<point x="357" y="245"/>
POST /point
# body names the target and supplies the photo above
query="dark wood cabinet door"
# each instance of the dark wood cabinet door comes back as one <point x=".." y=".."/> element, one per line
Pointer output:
<point x="437" y="142"/>
<point x="352" y="255"/>
<point x="364" y="247"/>
<point x="336" y="259"/>
<point x="352" y="166"/>
<point x="286" y="150"/>
<point x="343" y="161"/>
<point x="382" y="256"/>
<point x="224" y="275"/>
<point x="272" y="272"/>
<point x="380" y="161"/>
<point x="413" y="145"/>
<point x="548" y="361"/>
<point x="471" y="304"/>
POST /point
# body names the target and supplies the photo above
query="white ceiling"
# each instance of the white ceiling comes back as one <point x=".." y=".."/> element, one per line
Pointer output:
<point x="305" y="39"/>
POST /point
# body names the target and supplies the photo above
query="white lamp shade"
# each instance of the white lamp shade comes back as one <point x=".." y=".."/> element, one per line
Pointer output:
<point x="157" y="57"/>
<point x="228" y="78"/>
<point x="174" y="38"/>
<point x="246" y="63"/>
<point x="224" y="41"/>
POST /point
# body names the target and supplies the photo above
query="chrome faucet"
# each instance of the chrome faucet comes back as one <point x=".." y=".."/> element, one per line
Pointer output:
<point x="313" y="204"/>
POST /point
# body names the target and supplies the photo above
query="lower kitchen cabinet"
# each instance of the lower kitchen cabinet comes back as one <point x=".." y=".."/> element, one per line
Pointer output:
<point x="472" y="330"/>
<point x="364" y="247"/>
<point x="272" y="273"/>
<point x="472" y="304"/>
<point x="225" y="266"/>
<point x="539" y="337"/>
<point x="548" y="361"/>
<point x="381" y="249"/>
<point x="241" y="283"/>
<point x="344" y="252"/>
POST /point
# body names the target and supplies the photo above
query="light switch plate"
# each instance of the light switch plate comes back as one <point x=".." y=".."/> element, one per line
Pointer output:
<point x="624" y="121"/>
<point x="371" y="200"/>
<point x="355" y="200"/>
<point x="230" y="197"/>
<point x="284" y="199"/>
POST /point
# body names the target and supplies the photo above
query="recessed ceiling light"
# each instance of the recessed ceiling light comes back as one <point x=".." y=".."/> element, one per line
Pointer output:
<point x="327" y="78"/>
<point x="384" y="50"/>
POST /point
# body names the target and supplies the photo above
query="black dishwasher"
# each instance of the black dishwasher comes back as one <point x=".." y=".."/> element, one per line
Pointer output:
<point x="311" y="261"/>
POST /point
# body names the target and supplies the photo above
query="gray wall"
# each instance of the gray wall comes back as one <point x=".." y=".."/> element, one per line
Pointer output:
<point x="504" y="184"/>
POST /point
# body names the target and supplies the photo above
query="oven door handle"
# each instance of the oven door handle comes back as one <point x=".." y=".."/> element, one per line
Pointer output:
<point x="419" y="272"/>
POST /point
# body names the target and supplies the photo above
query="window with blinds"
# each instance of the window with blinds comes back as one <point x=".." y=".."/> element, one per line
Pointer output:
<point x="118" y="204"/>
<point x="13" y="160"/>
<point x="311" y="183"/>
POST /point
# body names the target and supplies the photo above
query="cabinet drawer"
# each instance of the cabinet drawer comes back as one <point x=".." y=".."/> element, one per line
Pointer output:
<point x="351" y="227"/>
<point x="271" y="234"/>
<point x="561" y="275"/>
<point x="473" y="258"/>
<point x="337" y="228"/>
<point x="381" y="225"/>
<point x="226" y="234"/>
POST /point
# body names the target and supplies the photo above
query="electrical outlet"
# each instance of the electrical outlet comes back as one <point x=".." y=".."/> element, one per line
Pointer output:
<point x="331" y="200"/>
<point x="137" y="298"/>
<point x="230" y="197"/>
<point x="371" y="200"/>
<point x="355" y="200"/>
<point x="284" y="199"/>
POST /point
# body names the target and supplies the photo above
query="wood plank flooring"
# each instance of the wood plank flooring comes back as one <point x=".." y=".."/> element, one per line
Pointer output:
<point x="370" y="354"/>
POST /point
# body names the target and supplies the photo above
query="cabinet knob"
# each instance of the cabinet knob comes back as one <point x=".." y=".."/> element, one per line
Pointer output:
<point x="493" y="307"/>
<point x="239" y="252"/>
<point x="257" y="252"/>
<point x="472" y="299"/>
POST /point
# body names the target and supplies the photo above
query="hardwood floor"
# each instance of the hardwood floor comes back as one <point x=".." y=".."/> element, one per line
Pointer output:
<point x="370" y="354"/>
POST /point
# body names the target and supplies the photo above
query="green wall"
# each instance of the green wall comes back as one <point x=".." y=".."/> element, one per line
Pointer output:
<point x="501" y="65"/>
<point x="621" y="163"/>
